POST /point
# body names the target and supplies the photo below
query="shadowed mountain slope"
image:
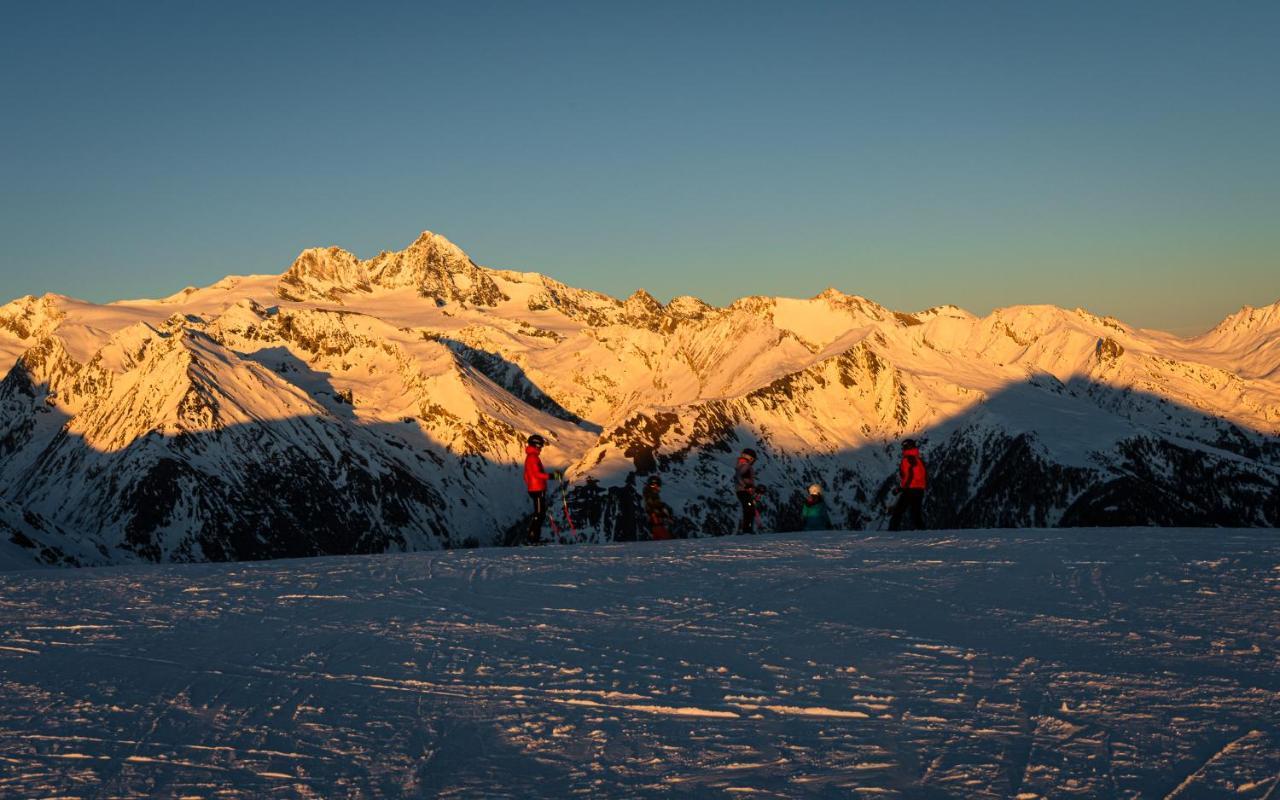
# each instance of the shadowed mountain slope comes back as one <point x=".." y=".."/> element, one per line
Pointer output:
<point x="356" y="405"/>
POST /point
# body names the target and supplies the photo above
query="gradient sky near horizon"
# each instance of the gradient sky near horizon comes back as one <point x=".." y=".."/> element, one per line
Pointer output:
<point x="1124" y="157"/>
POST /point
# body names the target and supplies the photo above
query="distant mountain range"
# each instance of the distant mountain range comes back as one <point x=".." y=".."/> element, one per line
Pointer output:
<point x="360" y="406"/>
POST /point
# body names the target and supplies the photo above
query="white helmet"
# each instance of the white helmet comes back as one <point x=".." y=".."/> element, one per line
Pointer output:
<point x="815" y="490"/>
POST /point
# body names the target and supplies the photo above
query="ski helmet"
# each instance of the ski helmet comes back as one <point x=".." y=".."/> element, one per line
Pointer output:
<point x="654" y="480"/>
<point x="749" y="453"/>
<point x="909" y="444"/>
<point x="815" y="490"/>
<point x="537" y="441"/>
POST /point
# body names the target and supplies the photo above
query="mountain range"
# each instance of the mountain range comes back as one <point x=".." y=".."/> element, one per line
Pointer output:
<point x="382" y="405"/>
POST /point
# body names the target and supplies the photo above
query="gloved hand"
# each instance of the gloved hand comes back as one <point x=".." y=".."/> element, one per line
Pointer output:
<point x="897" y="490"/>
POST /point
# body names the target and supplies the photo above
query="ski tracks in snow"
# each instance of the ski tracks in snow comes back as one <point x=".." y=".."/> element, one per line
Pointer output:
<point x="1027" y="664"/>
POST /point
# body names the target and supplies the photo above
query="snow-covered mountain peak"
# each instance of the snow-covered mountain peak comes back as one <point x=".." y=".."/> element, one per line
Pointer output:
<point x="47" y="363"/>
<point x="396" y="392"/>
<point x="591" y="308"/>
<point x="1027" y="323"/>
<point x="1250" y="320"/>
<point x="854" y="303"/>
<point x="324" y="273"/>
<point x="689" y="307"/>
<point x="947" y="311"/>
<point x="643" y="310"/>
<point x="1246" y="343"/>
<point x="641" y="298"/>
<point x="432" y="266"/>
<point x="435" y="267"/>
<point x="127" y="347"/>
<point x="29" y="316"/>
<point x="441" y="246"/>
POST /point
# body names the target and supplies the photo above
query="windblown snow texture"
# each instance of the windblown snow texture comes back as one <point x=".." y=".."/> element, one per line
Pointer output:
<point x="1119" y="663"/>
<point x="381" y="405"/>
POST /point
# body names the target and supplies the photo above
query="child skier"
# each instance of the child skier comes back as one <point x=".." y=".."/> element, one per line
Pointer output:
<point x="659" y="513"/>
<point x="814" y="513"/>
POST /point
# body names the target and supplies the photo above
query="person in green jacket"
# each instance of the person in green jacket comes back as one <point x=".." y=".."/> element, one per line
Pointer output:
<point x="814" y="513"/>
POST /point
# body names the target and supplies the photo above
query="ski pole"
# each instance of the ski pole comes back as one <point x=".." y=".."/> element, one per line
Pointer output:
<point x="564" y="495"/>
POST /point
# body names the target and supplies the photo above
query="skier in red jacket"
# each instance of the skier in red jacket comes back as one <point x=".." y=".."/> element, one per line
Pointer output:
<point x="535" y="481"/>
<point x="912" y="480"/>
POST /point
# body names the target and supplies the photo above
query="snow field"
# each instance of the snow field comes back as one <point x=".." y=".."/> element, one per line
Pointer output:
<point x="1080" y="663"/>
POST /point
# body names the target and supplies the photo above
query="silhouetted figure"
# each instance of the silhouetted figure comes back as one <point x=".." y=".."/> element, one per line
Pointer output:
<point x="912" y="480"/>
<point x="659" y="513"/>
<point x="627" y="527"/>
<point x="744" y="484"/>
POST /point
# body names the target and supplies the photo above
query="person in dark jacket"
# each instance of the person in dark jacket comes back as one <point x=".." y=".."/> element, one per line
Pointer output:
<point x="912" y="479"/>
<point x="659" y="513"/>
<point x="814" y="514"/>
<point x="535" y="482"/>
<point x="744" y="484"/>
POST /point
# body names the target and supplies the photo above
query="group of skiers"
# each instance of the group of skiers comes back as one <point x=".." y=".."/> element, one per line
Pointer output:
<point x="908" y="495"/>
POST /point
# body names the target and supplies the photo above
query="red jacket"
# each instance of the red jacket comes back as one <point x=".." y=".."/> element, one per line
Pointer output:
<point x="911" y="470"/>
<point x="535" y="478"/>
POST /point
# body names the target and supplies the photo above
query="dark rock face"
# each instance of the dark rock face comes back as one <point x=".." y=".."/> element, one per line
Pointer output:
<point x="1014" y="486"/>
<point x="979" y="475"/>
<point x="1109" y="349"/>
<point x="284" y="504"/>
<point x="641" y="436"/>
<point x="32" y="533"/>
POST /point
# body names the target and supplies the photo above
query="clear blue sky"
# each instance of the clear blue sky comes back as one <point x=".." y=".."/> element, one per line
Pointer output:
<point x="1123" y="156"/>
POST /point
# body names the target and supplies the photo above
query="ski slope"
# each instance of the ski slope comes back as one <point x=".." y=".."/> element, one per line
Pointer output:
<point x="1031" y="663"/>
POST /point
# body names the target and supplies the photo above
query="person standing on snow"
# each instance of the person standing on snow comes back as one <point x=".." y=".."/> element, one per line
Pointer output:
<point x="658" y="512"/>
<point x="912" y="480"/>
<point x="744" y="484"/>
<point x="535" y="481"/>
<point x="814" y="513"/>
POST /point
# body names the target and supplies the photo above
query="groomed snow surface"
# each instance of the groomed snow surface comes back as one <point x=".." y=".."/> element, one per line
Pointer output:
<point x="1024" y="664"/>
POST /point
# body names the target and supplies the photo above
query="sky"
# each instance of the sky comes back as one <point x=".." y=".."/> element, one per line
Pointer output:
<point x="1123" y="157"/>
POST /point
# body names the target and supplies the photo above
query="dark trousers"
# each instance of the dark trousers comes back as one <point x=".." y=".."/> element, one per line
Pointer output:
<point x="908" y="505"/>
<point x="659" y="522"/>
<point x="748" y="501"/>
<point x="538" y="516"/>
